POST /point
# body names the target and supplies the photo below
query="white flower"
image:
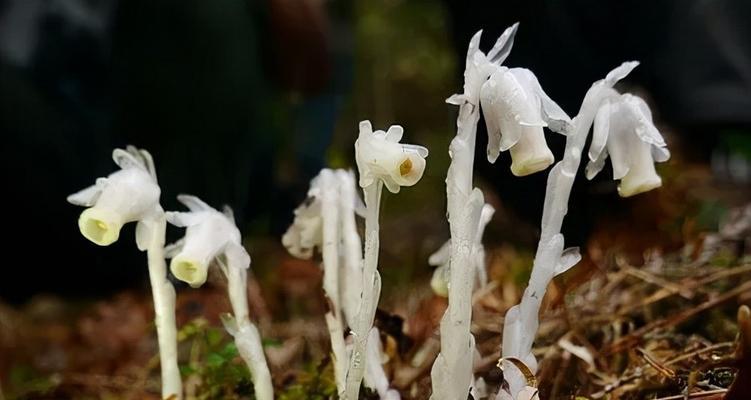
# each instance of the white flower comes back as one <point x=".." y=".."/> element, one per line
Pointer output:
<point x="516" y="109"/>
<point x="209" y="235"/>
<point x="128" y="195"/>
<point x="379" y="155"/>
<point x="623" y="129"/>
<point x="306" y="231"/>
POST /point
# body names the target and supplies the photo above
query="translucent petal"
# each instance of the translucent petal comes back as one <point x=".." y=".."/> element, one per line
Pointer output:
<point x="422" y="151"/>
<point x="143" y="235"/>
<point x="237" y="256"/>
<point x="570" y="257"/>
<point x="502" y="47"/>
<point x="556" y="119"/>
<point x="183" y="219"/>
<point x="193" y="203"/>
<point x="440" y="256"/>
<point x="492" y="113"/>
<point x="172" y="249"/>
<point x="86" y="197"/>
<point x="126" y="159"/>
<point x="621" y="143"/>
<point x="660" y="154"/>
<point x="394" y="134"/>
<point x="594" y="167"/>
<point x="600" y="131"/>
<point x="227" y="211"/>
<point x="620" y="72"/>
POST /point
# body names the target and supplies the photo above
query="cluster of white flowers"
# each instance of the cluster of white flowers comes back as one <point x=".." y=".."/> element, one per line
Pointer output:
<point x="516" y="109"/>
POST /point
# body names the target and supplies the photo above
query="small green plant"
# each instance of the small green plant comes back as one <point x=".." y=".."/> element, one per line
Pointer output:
<point x="214" y="369"/>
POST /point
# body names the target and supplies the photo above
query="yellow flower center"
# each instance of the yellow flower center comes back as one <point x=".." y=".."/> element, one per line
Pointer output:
<point x="405" y="167"/>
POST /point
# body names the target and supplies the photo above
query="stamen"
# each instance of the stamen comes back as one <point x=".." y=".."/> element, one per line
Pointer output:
<point x="405" y="167"/>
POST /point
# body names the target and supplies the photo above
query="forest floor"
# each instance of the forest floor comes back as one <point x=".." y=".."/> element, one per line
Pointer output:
<point x="644" y="315"/>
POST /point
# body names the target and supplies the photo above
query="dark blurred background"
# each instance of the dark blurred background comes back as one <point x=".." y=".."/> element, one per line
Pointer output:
<point x="243" y="101"/>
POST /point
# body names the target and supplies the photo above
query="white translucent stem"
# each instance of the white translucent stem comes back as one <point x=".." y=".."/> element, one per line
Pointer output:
<point x="371" y="291"/>
<point x="522" y="321"/>
<point x="452" y="370"/>
<point x="247" y="338"/>
<point x="352" y="253"/>
<point x="330" y="216"/>
<point x="164" y="309"/>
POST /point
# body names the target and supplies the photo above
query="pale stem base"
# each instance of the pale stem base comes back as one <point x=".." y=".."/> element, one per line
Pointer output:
<point x="164" y="309"/>
<point x="247" y="338"/>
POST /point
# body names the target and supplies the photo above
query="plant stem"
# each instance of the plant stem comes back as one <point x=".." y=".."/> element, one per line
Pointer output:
<point x="331" y="243"/>
<point x="452" y="370"/>
<point x="164" y="309"/>
<point x="522" y="320"/>
<point x="247" y="338"/>
<point x="371" y="290"/>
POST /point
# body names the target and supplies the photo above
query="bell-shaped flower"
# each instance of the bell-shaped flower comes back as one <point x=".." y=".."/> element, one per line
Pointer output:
<point x="623" y="129"/>
<point x="379" y="155"/>
<point x="128" y="195"/>
<point x="210" y="234"/>
<point x="516" y="109"/>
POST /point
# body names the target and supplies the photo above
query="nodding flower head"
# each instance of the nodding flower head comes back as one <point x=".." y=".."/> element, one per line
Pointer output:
<point x="210" y="235"/>
<point x="379" y="155"/>
<point x="623" y="129"/>
<point x="306" y="231"/>
<point x="128" y="195"/>
<point x="516" y="109"/>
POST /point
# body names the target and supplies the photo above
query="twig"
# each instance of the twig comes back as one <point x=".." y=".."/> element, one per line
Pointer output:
<point x="635" y="337"/>
<point x="697" y="395"/>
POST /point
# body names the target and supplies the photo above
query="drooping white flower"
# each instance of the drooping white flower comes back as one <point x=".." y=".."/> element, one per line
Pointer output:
<point x="208" y="235"/>
<point x="516" y="109"/>
<point x="306" y="231"/>
<point x="379" y="155"/>
<point x="623" y="129"/>
<point x="128" y="195"/>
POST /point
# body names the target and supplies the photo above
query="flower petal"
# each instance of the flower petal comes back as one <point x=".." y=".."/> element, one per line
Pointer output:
<point x="183" y="219"/>
<point x="128" y="159"/>
<point x="394" y="134"/>
<point x="87" y="197"/>
<point x="237" y="256"/>
<point x="553" y="115"/>
<point x="193" y="203"/>
<point x="502" y="47"/>
<point x="620" y="72"/>
<point x="600" y="131"/>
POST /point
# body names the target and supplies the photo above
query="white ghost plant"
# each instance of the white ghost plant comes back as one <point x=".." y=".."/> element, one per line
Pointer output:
<point x="381" y="160"/>
<point x="318" y="224"/>
<point x="516" y="109"/>
<point x="623" y="129"/>
<point x="131" y="194"/>
<point x="212" y="236"/>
